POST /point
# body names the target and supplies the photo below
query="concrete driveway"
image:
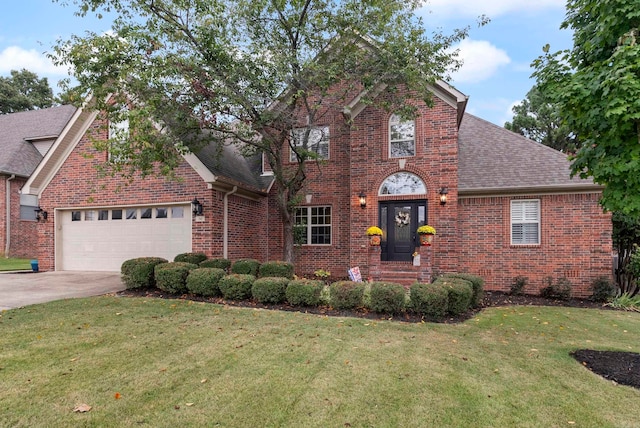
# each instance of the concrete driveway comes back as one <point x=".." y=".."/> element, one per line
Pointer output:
<point x="22" y="289"/>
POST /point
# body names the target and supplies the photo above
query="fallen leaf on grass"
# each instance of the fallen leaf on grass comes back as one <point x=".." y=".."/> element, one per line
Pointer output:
<point x="82" y="408"/>
<point x="117" y="396"/>
<point x="188" y="404"/>
<point x="203" y="381"/>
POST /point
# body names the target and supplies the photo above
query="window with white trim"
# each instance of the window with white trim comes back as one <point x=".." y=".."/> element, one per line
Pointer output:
<point x="118" y="138"/>
<point x="525" y="222"/>
<point x="402" y="142"/>
<point x="313" y="225"/>
<point x="317" y="141"/>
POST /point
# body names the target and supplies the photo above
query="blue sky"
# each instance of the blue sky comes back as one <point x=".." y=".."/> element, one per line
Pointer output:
<point x="497" y="57"/>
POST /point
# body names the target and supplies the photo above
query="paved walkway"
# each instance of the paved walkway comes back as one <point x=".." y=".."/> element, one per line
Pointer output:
<point x="22" y="289"/>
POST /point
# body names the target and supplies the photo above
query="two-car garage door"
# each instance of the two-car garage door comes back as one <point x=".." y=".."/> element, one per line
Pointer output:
<point x="100" y="239"/>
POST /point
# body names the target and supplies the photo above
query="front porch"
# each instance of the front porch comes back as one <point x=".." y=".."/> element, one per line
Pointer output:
<point x="401" y="272"/>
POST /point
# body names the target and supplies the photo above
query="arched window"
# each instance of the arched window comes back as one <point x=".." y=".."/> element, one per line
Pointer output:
<point x="403" y="183"/>
<point x="402" y="141"/>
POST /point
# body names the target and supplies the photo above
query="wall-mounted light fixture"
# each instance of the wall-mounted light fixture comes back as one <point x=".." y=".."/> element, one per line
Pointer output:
<point x="362" y="197"/>
<point x="443" y="195"/>
<point x="196" y="207"/>
<point x="41" y="215"/>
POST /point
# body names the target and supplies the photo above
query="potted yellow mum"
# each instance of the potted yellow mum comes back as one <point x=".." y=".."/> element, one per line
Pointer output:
<point x="426" y="233"/>
<point x="374" y="233"/>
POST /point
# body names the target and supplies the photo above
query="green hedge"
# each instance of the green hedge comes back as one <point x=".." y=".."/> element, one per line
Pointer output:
<point x="387" y="298"/>
<point x="276" y="269"/>
<point x="561" y="290"/>
<point x="246" y="267"/>
<point x="431" y="300"/>
<point x="195" y="258"/>
<point x="460" y="293"/>
<point x="304" y="292"/>
<point x="223" y="264"/>
<point x="346" y="294"/>
<point x="236" y="286"/>
<point x="139" y="273"/>
<point x="172" y="277"/>
<point x="477" y="284"/>
<point x="205" y="281"/>
<point x="270" y="289"/>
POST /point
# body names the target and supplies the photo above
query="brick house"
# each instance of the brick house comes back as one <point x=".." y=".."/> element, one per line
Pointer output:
<point x="511" y="207"/>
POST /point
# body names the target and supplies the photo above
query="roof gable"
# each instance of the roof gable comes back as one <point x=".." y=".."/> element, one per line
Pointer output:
<point x="494" y="159"/>
<point x="18" y="130"/>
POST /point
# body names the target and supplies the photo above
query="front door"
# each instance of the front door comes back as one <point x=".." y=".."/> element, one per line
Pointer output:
<point x="399" y="221"/>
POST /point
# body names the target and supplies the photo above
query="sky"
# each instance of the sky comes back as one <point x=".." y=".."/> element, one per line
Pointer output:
<point x="495" y="76"/>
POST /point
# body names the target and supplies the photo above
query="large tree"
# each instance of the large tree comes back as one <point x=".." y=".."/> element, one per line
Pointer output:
<point x="596" y="86"/>
<point x="23" y="90"/>
<point x="249" y="72"/>
<point x="537" y="118"/>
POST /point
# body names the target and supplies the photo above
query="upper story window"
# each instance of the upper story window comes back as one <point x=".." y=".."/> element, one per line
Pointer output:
<point x="118" y="136"/>
<point x="525" y="222"/>
<point x="402" y="141"/>
<point x="313" y="139"/>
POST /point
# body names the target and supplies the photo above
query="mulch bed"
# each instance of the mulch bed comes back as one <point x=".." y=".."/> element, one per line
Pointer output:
<point x="620" y="367"/>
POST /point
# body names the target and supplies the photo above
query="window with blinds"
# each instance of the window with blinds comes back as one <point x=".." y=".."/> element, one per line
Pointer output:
<point x="525" y="222"/>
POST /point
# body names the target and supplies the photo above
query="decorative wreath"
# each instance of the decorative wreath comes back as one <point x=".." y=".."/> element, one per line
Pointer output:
<point x="403" y="219"/>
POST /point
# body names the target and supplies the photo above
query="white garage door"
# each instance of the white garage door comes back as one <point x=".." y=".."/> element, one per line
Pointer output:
<point x="100" y="239"/>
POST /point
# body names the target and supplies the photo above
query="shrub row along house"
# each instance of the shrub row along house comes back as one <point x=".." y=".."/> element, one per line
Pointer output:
<point x="502" y="205"/>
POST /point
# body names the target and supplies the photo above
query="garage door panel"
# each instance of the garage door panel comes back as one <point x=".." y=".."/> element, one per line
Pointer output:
<point x="102" y="245"/>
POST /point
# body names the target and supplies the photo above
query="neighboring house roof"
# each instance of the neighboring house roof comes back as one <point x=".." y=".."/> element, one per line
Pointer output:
<point x="18" y="130"/>
<point x="493" y="159"/>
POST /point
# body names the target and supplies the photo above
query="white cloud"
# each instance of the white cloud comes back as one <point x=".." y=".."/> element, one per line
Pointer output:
<point x="17" y="58"/>
<point x="480" y="59"/>
<point x="491" y="8"/>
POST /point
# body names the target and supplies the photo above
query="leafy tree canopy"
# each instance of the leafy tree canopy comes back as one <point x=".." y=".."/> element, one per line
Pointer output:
<point x="596" y="86"/>
<point x="23" y="90"/>
<point x="538" y="119"/>
<point x="249" y="71"/>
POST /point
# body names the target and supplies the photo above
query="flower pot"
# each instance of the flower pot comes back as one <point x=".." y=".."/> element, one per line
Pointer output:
<point x="426" y="240"/>
<point x="374" y="240"/>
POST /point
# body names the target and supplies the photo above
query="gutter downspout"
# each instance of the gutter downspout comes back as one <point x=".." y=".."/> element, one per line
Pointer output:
<point x="225" y="222"/>
<point x="7" y="193"/>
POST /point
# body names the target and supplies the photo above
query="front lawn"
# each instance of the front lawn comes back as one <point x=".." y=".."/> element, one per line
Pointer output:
<point x="153" y="362"/>
<point x="7" y="264"/>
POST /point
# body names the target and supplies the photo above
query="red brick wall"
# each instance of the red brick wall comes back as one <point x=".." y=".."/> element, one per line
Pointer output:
<point x="569" y="247"/>
<point x="78" y="184"/>
<point x="23" y="232"/>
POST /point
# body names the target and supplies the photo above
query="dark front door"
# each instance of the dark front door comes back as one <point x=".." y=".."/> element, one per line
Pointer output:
<point x="399" y="221"/>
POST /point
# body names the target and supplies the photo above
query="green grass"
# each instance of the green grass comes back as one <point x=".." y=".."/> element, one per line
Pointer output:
<point x="179" y="363"/>
<point x="14" y="264"/>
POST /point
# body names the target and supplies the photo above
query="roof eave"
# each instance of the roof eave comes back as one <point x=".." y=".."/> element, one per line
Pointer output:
<point x="530" y="190"/>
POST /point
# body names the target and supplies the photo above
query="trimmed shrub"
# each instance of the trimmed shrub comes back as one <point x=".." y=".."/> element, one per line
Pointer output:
<point x="245" y="267"/>
<point x="304" y="292"/>
<point x="195" y="258"/>
<point x="387" y="297"/>
<point x="236" y="286"/>
<point x="276" y="269"/>
<point x="603" y="289"/>
<point x="223" y="264"/>
<point x="346" y="294"/>
<point x="429" y="300"/>
<point x="139" y="273"/>
<point x="204" y="281"/>
<point x="460" y="293"/>
<point x="172" y="277"/>
<point x="561" y="290"/>
<point x="477" y="284"/>
<point x="518" y="284"/>
<point x="270" y="289"/>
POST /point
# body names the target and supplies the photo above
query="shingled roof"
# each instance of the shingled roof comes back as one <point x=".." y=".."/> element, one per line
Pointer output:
<point x="17" y="131"/>
<point x="493" y="159"/>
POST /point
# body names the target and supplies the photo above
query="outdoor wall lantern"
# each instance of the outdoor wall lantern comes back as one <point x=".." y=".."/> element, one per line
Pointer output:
<point x="443" y="195"/>
<point x="196" y="207"/>
<point x="41" y="215"/>
<point x="363" y="200"/>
